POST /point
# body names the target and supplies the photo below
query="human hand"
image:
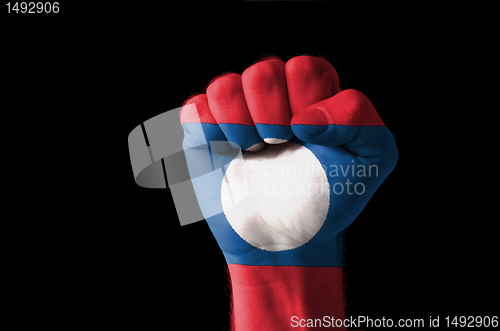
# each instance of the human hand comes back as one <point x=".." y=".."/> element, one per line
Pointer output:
<point x="313" y="157"/>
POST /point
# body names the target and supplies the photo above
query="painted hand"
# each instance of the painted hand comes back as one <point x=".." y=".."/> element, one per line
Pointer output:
<point x="313" y="156"/>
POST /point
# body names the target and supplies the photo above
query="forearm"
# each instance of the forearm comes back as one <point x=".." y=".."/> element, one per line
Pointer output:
<point x="267" y="297"/>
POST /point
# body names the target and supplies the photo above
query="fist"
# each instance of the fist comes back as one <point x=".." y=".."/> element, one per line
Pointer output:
<point x="312" y="157"/>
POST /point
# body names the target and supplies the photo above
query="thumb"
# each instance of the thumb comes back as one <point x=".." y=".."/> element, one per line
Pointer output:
<point x="348" y="119"/>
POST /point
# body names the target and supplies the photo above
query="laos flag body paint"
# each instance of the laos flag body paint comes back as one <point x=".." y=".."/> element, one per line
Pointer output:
<point x="312" y="157"/>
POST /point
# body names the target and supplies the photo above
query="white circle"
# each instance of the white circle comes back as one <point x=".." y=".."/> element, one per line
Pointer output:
<point x="275" y="140"/>
<point x="276" y="199"/>
<point x="256" y="147"/>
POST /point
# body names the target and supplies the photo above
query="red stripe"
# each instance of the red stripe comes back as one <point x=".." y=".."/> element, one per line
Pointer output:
<point x="265" y="298"/>
<point x="265" y="92"/>
<point x="309" y="79"/>
<point x="349" y="107"/>
<point x="195" y="110"/>
<point x="227" y="101"/>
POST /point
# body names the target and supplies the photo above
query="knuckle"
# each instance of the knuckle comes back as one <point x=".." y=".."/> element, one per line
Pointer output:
<point x="224" y="86"/>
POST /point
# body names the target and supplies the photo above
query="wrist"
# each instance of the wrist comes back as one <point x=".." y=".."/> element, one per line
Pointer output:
<point x="276" y="297"/>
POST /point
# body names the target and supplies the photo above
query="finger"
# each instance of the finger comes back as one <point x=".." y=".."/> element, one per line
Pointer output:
<point x="347" y="119"/>
<point x="198" y="122"/>
<point x="266" y="96"/>
<point x="227" y="103"/>
<point x="205" y="145"/>
<point x="309" y="79"/>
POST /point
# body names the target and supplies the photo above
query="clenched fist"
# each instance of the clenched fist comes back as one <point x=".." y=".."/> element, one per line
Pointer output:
<point x="313" y="156"/>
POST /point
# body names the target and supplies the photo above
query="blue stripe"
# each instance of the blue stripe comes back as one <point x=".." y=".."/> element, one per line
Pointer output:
<point x="196" y="134"/>
<point x="244" y="135"/>
<point x="350" y="191"/>
<point x="274" y="131"/>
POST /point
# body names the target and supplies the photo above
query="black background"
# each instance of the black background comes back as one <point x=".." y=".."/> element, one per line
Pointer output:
<point x="83" y="247"/>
